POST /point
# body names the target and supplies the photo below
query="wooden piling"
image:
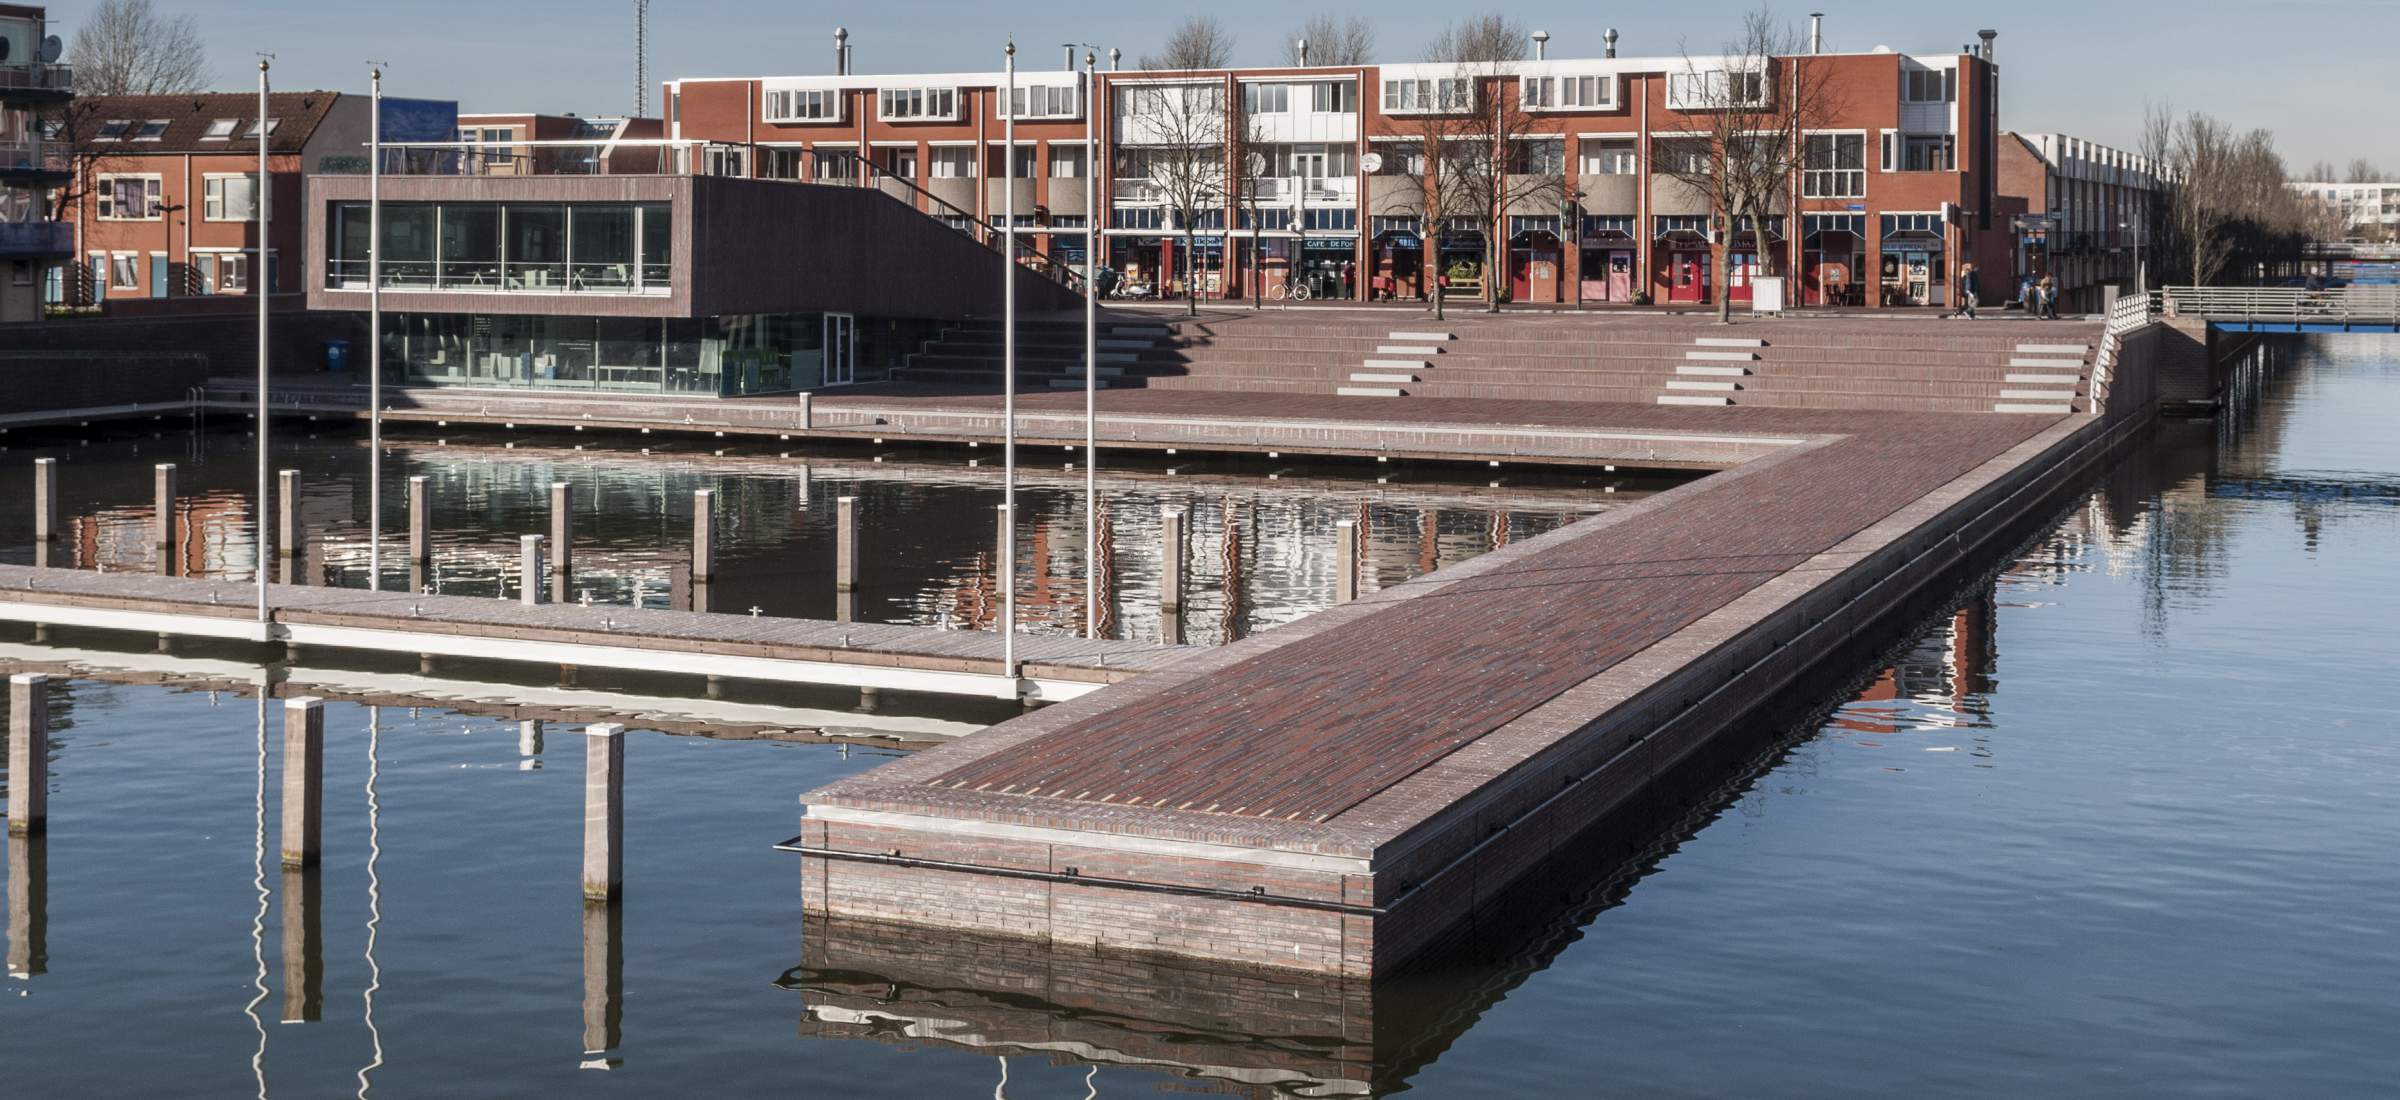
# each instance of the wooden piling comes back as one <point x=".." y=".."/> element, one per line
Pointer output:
<point x="562" y="528"/>
<point x="420" y="518"/>
<point x="303" y="946"/>
<point x="845" y="544"/>
<point x="287" y="513"/>
<point x="28" y="753"/>
<point x="162" y="504"/>
<point x="603" y="980"/>
<point x="529" y="568"/>
<point x="704" y="531"/>
<point x="28" y="905"/>
<point x="1171" y="570"/>
<point x="303" y="780"/>
<point x="603" y="811"/>
<point x="45" y="500"/>
<point x="1345" y="561"/>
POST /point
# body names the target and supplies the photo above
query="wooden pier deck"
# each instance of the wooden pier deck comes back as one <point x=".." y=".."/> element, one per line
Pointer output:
<point x="864" y="655"/>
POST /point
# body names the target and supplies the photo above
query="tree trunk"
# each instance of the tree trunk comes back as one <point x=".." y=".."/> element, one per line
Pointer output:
<point x="1438" y="294"/>
<point x="1723" y="289"/>
<point x="1191" y="274"/>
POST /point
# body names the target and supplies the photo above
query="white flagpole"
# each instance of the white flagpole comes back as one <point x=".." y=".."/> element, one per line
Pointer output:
<point x="260" y="280"/>
<point x="1091" y="347"/>
<point x="375" y="338"/>
<point x="1008" y="369"/>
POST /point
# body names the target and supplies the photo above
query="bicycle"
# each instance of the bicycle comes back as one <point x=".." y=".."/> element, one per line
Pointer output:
<point x="1297" y="291"/>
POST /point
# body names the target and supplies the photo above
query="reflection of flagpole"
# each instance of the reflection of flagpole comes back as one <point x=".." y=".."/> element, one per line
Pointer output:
<point x="374" y="893"/>
<point x="258" y="879"/>
<point x="1091" y="343"/>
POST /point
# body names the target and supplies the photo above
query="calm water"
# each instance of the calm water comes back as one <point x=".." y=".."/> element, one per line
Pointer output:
<point x="2122" y="825"/>
<point x="1260" y="535"/>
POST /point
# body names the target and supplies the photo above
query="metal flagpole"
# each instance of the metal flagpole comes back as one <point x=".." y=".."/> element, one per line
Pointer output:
<point x="260" y="280"/>
<point x="375" y="337"/>
<point x="1091" y="346"/>
<point x="1008" y="369"/>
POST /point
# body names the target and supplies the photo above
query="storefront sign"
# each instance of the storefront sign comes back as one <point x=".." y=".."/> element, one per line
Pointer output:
<point x="1336" y="244"/>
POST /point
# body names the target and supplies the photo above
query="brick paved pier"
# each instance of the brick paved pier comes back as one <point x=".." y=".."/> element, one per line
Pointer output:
<point x="1339" y="794"/>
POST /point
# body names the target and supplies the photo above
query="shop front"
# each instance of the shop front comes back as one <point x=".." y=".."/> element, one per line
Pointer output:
<point x="1534" y="256"/>
<point x="1397" y="251"/>
<point x="1833" y="251"/>
<point x="1608" y="258"/>
<point x="1682" y="250"/>
<point x="1167" y="264"/>
<point x="1460" y="258"/>
<point x="1912" y="262"/>
<point x="1329" y="265"/>
<point x="1749" y="254"/>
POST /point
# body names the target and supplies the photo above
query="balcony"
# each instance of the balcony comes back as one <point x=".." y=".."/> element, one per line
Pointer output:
<point x="32" y="159"/>
<point x="1136" y="191"/>
<point x="37" y="81"/>
<point x="19" y="240"/>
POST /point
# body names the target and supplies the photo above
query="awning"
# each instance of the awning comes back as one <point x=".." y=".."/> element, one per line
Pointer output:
<point x="1398" y="238"/>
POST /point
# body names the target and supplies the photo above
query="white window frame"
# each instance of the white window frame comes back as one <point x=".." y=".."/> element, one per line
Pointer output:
<point x="1833" y="183"/>
<point x="1266" y="98"/>
<point x="105" y="200"/>
<point x="1332" y="97"/>
<point x="1045" y="101"/>
<point x="125" y="270"/>
<point x="923" y="103"/>
<point x="803" y="105"/>
<point x="212" y="200"/>
<point x="221" y="129"/>
<point x="1071" y="157"/>
<point x="1710" y="90"/>
<point x="152" y="129"/>
<point x="1944" y="83"/>
<point x="271" y="124"/>
<point x="944" y="162"/>
<point x="1608" y="158"/>
<point x="228" y="270"/>
<point x="113" y="129"/>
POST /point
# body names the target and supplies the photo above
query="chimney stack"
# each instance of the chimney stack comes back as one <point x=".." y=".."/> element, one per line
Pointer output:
<point x="841" y="51"/>
<point x="1070" y="48"/>
<point x="1816" y="32"/>
<point x="1302" y="46"/>
<point x="1987" y="36"/>
<point x="1541" y="45"/>
<point x="1610" y="39"/>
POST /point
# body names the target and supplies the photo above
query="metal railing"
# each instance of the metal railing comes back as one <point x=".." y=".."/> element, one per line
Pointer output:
<point x="2127" y="315"/>
<point x="36" y="238"/>
<point x="570" y="157"/>
<point x="37" y="78"/>
<point x="2352" y="304"/>
<point x="495" y="277"/>
<point x="866" y="173"/>
<point x="32" y="156"/>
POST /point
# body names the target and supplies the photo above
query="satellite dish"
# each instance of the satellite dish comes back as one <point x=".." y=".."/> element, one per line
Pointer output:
<point x="52" y="50"/>
<point x="1370" y="163"/>
<point x="4" y="48"/>
<point x="1257" y="163"/>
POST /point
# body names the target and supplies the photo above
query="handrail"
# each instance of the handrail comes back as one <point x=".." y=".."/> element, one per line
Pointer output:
<point x="2126" y="315"/>
<point x="1064" y="274"/>
<point x="2352" y="303"/>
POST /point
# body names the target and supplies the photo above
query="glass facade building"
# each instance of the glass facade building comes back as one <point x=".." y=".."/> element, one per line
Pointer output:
<point x="727" y="356"/>
<point x="507" y="247"/>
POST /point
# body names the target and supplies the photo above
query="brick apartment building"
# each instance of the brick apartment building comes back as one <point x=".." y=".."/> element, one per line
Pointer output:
<point x="2080" y="211"/>
<point x="33" y="245"/>
<point x="1900" y="187"/>
<point x="555" y="154"/>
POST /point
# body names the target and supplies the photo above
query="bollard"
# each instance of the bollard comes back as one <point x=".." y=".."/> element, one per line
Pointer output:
<point x="45" y="500"/>
<point x="28" y="753"/>
<point x="529" y="568"/>
<point x="287" y="513"/>
<point x="162" y="504"/>
<point x="420" y="515"/>
<point x="845" y="544"/>
<point x="303" y="946"/>
<point x="704" y="542"/>
<point x="808" y="413"/>
<point x="1171" y="565"/>
<point x="562" y="528"/>
<point x="1345" y="561"/>
<point x="303" y="780"/>
<point x="603" y="810"/>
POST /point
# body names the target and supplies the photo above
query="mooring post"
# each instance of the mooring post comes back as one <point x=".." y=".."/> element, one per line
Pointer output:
<point x="562" y="528"/>
<point x="603" y="810"/>
<point x="808" y="413"/>
<point x="1171" y="563"/>
<point x="420" y="517"/>
<point x="1345" y="561"/>
<point x="303" y="946"/>
<point x="845" y="544"/>
<point x="45" y="500"/>
<point x="303" y="780"/>
<point x="162" y="506"/>
<point x="28" y="753"/>
<point x="529" y="568"/>
<point x="287" y="513"/>
<point x="704" y="530"/>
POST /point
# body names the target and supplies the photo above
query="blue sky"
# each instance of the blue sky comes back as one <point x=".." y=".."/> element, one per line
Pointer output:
<point x="2320" y="73"/>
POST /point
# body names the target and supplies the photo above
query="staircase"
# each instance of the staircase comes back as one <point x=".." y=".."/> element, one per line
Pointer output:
<point x="1713" y="371"/>
<point x="1396" y="365"/>
<point x="2046" y="378"/>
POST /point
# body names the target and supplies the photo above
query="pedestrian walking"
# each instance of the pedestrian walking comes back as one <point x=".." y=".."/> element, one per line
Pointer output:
<point x="1970" y="287"/>
<point x="2047" y="291"/>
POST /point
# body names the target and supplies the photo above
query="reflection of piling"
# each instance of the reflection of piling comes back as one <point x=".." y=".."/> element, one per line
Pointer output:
<point x="162" y="504"/>
<point x="603" y="810"/>
<point x="529" y="568"/>
<point x="420" y="518"/>
<point x="287" y="513"/>
<point x="529" y="738"/>
<point x="45" y="500"/>
<point x="1171" y="565"/>
<point x="603" y="981"/>
<point x="845" y="544"/>
<point x="1345" y="561"/>
<point x="303" y="780"/>
<point x="704" y="535"/>
<point x="303" y="946"/>
<point x="28" y="753"/>
<point x="562" y="528"/>
<point x="28" y="905"/>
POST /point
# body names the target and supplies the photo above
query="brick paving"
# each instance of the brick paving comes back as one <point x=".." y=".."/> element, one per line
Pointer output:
<point x="1310" y="721"/>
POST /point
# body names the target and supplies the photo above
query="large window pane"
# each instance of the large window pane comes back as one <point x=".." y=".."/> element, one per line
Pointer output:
<point x="348" y="244"/>
<point x="658" y="245"/>
<point x="601" y="248"/>
<point x="408" y="244"/>
<point x="537" y="247"/>
<point x="471" y="245"/>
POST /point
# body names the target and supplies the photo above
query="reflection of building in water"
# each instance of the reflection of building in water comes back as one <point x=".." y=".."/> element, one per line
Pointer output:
<point x="1940" y="680"/>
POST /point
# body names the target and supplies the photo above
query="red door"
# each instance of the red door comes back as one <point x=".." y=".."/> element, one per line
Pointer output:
<point x="1690" y="277"/>
<point x="1739" y="267"/>
<point x="1520" y="274"/>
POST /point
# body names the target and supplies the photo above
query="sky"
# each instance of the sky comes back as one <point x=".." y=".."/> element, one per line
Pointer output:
<point x="2321" y="74"/>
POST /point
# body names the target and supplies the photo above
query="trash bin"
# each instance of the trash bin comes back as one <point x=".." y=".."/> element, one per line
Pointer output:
<point x="337" y="355"/>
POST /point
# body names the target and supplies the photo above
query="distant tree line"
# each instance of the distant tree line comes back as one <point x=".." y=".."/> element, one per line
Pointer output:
<point x="2227" y="215"/>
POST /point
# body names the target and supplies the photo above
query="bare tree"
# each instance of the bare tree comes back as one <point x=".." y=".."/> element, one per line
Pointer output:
<point x="1331" y="41"/>
<point x="1466" y="124"/>
<point x="125" y="47"/>
<point x="1176" y="143"/>
<point x="2363" y="170"/>
<point x="2320" y="172"/>
<point x="2227" y="210"/>
<point x="1199" y="42"/>
<point x="1754" y="106"/>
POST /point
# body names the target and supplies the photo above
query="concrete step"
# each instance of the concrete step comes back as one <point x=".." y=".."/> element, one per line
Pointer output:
<point x="2043" y="379"/>
<point x="1119" y="343"/>
<point x="1369" y="391"/>
<point x="1137" y="330"/>
<point x="1407" y="349"/>
<point x="2020" y="407"/>
<point x="1722" y="356"/>
<point x="1397" y="364"/>
<point x="1691" y="399"/>
<point x="1380" y="376"/>
<point x="2063" y="364"/>
<point x="2037" y="395"/>
<point x="1695" y="368"/>
<point x="1696" y="384"/>
<point x="1074" y="383"/>
<point x="1728" y="342"/>
<point x="1420" y="337"/>
<point x="2077" y="350"/>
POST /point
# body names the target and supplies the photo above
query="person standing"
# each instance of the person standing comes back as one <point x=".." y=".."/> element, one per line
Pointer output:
<point x="2047" y="290"/>
<point x="1970" y="287"/>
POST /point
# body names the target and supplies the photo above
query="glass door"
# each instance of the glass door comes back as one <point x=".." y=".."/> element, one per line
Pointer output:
<point x="841" y="339"/>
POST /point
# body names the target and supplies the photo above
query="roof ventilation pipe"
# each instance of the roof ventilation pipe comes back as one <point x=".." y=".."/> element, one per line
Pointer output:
<point x="1816" y="32"/>
<point x="1541" y="45"/>
<point x="841" y="51"/>
<point x="1988" y="36"/>
<point x="1610" y="39"/>
<point x="1301" y="46"/>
